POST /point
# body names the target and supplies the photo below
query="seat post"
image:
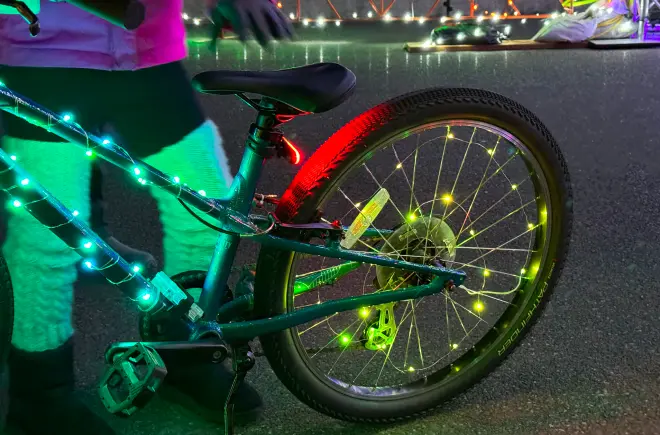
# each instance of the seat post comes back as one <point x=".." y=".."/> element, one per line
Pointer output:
<point x="241" y="194"/>
<point x="259" y="147"/>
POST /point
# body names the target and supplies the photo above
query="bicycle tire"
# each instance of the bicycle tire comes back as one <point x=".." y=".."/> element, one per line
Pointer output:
<point x="6" y="327"/>
<point x="335" y="158"/>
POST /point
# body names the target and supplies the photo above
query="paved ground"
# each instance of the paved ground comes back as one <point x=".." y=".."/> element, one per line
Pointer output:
<point x="591" y="363"/>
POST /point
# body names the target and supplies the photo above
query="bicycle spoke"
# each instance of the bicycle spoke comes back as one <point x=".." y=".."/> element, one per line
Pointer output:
<point x="481" y="183"/>
<point x="470" y="177"/>
<point x="419" y="338"/>
<point x="411" y="186"/>
<point x="495" y="223"/>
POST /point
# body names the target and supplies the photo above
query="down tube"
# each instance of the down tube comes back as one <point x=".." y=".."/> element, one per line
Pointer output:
<point x="28" y="194"/>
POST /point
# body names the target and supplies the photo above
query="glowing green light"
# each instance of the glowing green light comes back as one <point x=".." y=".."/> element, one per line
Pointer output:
<point x="89" y="264"/>
<point x="486" y="272"/>
<point x="454" y="346"/>
<point x="136" y="171"/>
<point x="364" y="313"/>
<point x="2" y="85"/>
<point x="146" y="296"/>
<point x="17" y="203"/>
<point x="25" y="181"/>
<point x="87" y="245"/>
<point x="450" y="135"/>
<point x="399" y="166"/>
<point x="447" y="198"/>
<point x="478" y="306"/>
<point x="523" y="271"/>
<point x="143" y="181"/>
<point x="490" y="151"/>
<point x="412" y="217"/>
<point x="136" y="268"/>
<point x="457" y="368"/>
<point x="411" y="369"/>
<point x="76" y="213"/>
<point x="67" y="117"/>
<point x="89" y="153"/>
<point x="514" y="186"/>
<point x="13" y="158"/>
<point x="177" y="180"/>
<point x="345" y="339"/>
<point x="472" y="232"/>
<point x="530" y="226"/>
<point x="535" y="268"/>
<point x="203" y="193"/>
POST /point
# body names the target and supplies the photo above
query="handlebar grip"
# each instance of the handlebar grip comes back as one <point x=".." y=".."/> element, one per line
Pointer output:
<point x="128" y="14"/>
<point x="26" y="13"/>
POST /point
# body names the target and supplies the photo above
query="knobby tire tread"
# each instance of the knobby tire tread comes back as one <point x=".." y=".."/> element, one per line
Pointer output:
<point x="352" y="139"/>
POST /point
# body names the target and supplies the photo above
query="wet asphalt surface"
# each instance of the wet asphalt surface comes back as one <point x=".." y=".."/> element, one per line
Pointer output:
<point x="591" y="364"/>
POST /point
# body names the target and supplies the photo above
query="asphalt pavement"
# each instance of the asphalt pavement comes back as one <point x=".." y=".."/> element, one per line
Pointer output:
<point x="590" y="366"/>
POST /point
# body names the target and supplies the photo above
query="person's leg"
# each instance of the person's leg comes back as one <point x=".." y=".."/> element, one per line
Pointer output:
<point x="100" y="226"/>
<point x="43" y="271"/>
<point x="191" y="149"/>
<point x="165" y="126"/>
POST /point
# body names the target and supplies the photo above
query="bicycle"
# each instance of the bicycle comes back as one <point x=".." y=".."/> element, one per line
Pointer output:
<point x="397" y="262"/>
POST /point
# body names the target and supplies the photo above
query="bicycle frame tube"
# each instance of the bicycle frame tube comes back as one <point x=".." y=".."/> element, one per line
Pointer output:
<point x="231" y="212"/>
<point x="241" y="195"/>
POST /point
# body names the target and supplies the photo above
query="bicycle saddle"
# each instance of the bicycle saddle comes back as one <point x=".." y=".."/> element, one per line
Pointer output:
<point x="313" y="88"/>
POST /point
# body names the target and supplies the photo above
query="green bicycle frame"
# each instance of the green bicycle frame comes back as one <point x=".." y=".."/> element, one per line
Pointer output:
<point x="231" y="213"/>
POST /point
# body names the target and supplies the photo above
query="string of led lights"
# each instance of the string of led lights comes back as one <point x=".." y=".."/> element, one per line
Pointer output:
<point x="383" y="14"/>
<point x="67" y="224"/>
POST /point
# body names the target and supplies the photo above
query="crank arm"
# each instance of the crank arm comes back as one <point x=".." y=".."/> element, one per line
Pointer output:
<point x="176" y="352"/>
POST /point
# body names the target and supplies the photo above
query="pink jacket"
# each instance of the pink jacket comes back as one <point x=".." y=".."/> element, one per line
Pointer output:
<point x="73" y="38"/>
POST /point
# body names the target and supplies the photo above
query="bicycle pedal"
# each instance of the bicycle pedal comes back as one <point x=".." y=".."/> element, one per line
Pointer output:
<point x="132" y="380"/>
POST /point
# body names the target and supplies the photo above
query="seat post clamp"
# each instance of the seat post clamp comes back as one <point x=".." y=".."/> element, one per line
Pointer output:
<point x="264" y="141"/>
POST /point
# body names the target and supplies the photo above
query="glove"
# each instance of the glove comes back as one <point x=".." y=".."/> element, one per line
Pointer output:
<point x="260" y="17"/>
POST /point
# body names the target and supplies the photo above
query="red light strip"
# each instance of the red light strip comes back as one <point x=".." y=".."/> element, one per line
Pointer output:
<point x="298" y="156"/>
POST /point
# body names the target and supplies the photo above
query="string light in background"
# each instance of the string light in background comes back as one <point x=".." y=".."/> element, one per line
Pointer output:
<point x="406" y="17"/>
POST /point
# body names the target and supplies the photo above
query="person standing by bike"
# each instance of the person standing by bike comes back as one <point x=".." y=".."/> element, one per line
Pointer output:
<point x="134" y="82"/>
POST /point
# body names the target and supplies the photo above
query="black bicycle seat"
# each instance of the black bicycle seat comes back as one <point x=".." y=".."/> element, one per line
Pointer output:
<point x="313" y="88"/>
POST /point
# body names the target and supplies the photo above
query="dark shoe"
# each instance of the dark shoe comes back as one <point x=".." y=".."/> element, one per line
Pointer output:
<point x="42" y="398"/>
<point x="202" y="390"/>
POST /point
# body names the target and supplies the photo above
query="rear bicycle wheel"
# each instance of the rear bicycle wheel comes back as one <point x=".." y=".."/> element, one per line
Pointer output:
<point x="447" y="159"/>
